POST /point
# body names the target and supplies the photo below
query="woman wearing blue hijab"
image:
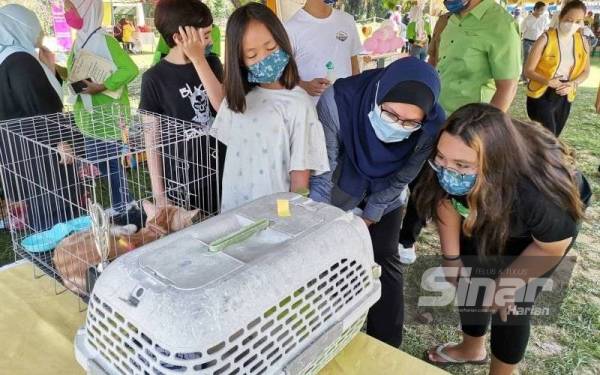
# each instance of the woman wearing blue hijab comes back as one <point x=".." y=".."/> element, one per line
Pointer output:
<point x="380" y="127"/>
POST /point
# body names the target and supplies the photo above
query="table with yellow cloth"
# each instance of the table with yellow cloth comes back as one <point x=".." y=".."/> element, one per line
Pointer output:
<point x="37" y="328"/>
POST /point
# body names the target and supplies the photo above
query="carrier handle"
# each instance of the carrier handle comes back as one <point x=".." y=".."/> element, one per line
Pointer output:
<point x="239" y="236"/>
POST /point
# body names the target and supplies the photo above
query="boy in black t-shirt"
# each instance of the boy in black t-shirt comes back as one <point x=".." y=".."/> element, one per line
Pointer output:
<point x="186" y="85"/>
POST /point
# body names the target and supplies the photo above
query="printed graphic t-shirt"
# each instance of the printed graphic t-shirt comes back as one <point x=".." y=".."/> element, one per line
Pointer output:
<point x="176" y="91"/>
<point x="316" y="41"/>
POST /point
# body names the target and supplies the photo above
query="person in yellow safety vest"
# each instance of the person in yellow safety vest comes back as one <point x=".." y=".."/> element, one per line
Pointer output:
<point x="128" y="31"/>
<point x="559" y="62"/>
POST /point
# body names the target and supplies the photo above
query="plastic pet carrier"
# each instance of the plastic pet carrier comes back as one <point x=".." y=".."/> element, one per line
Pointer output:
<point x="245" y="292"/>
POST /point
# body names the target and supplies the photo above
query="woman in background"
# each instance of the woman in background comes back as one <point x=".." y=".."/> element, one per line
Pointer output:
<point x="100" y="106"/>
<point x="30" y="87"/>
<point x="559" y="61"/>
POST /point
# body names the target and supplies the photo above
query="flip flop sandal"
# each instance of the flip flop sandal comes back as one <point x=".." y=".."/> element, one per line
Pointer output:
<point x="439" y="350"/>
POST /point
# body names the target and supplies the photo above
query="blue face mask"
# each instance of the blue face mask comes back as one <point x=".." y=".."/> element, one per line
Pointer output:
<point x="453" y="182"/>
<point x="386" y="132"/>
<point x="208" y="50"/>
<point x="330" y="2"/>
<point x="456" y="6"/>
<point x="269" y="69"/>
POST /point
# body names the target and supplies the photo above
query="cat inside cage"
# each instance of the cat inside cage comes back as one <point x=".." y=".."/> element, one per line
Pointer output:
<point x="151" y="176"/>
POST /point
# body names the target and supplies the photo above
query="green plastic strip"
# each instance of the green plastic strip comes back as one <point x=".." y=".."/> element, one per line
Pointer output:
<point x="239" y="236"/>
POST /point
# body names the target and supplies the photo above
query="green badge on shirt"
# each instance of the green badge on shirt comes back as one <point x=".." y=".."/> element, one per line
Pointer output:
<point x="460" y="208"/>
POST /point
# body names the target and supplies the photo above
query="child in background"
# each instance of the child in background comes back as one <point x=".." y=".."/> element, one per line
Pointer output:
<point x="270" y="126"/>
<point x="185" y="84"/>
<point x="128" y="31"/>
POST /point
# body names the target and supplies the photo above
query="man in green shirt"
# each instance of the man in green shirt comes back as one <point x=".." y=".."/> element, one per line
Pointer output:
<point x="479" y="56"/>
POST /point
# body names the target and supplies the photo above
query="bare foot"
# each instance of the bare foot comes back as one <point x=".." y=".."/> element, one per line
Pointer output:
<point x="458" y="352"/>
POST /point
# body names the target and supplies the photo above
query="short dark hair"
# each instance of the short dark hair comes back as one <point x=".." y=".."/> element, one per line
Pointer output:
<point x="539" y="5"/>
<point x="171" y="14"/>
<point x="236" y="74"/>
<point x="575" y="4"/>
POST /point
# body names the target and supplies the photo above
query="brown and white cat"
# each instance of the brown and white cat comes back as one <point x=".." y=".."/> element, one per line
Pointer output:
<point x="76" y="253"/>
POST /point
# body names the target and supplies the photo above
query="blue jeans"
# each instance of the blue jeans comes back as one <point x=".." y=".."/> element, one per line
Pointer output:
<point x="418" y="52"/>
<point x="527" y="44"/>
<point x="106" y="155"/>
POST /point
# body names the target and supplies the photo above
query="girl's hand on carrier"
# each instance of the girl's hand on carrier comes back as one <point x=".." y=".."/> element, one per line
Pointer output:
<point x="93" y="88"/>
<point x="192" y="43"/>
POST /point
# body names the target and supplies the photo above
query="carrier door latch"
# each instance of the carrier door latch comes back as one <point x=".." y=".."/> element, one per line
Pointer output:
<point x="135" y="296"/>
<point x="376" y="270"/>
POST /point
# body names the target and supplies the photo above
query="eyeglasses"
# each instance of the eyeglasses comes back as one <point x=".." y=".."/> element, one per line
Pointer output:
<point x="392" y="118"/>
<point x="438" y="168"/>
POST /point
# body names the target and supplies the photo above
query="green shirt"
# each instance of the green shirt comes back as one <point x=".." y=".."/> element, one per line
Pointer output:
<point x="475" y="50"/>
<point x="98" y="124"/>
<point x="162" y="49"/>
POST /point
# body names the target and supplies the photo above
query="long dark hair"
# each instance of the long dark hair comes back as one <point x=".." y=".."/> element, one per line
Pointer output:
<point x="236" y="74"/>
<point x="574" y="4"/>
<point x="508" y="151"/>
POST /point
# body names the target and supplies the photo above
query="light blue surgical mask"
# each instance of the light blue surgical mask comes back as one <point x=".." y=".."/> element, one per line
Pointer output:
<point x="385" y="131"/>
<point x="208" y="50"/>
<point x="269" y="69"/>
<point x="330" y="2"/>
<point x="452" y="182"/>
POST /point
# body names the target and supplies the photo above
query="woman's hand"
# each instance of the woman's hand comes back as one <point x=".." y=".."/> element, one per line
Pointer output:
<point x="192" y="43"/>
<point x="555" y="83"/>
<point x="47" y="58"/>
<point x="452" y="270"/>
<point x="503" y="303"/>
<point x="566" y="88"/>
<point x="93" y="88"/>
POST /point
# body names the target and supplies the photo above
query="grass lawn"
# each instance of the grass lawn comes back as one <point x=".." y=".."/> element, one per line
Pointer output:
<point x="572" y="345"/>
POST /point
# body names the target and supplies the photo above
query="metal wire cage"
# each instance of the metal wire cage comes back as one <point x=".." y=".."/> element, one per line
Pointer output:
<point x="82" y="188"/>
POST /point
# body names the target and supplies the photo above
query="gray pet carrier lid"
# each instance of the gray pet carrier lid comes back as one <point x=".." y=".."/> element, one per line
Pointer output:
<point x="181" y="292"/>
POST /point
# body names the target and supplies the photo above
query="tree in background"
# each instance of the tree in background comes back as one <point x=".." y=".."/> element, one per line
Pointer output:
<point x="362" y="9"/>
<point x="220" y="9"/>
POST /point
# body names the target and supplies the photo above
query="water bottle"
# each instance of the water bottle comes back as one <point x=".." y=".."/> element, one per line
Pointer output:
<point x="330" y="72"/>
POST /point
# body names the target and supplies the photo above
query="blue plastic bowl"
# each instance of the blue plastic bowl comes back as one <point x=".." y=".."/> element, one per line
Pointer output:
<point x="80" y="224"/>
<point x="46" y="241"/>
